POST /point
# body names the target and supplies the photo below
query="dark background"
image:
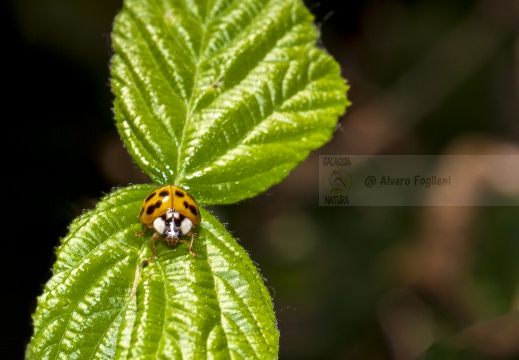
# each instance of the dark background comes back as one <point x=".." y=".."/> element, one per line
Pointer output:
<point x="427" y="77"/>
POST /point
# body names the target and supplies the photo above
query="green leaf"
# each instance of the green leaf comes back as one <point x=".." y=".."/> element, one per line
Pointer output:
<point x="222" y="97"/>
<point x="102" y="304"/>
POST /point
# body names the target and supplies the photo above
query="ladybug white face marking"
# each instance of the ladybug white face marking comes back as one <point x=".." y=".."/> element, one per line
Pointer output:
<point x="172" y="225"/>
<point x="159" y="225"/>
<point x="185" y="226"/>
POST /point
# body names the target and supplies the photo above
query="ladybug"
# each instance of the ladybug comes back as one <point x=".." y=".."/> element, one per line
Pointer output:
<point x="172" y="213"/>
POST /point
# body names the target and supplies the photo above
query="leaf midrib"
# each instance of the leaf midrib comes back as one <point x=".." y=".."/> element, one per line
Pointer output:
<point x="200" y="61"/>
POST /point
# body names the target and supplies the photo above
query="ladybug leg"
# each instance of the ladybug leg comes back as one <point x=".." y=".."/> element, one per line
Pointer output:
<point x="191" y="245"/>
<point x="144" y="231"/>
<point x="153" y="248"/>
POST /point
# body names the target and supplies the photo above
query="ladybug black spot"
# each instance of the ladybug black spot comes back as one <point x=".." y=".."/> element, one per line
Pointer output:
<point x="150" y="196"/>
<point x="164" y="193"/>
<point x="191" y="208"/>
<point x="150" y="209"/>
<point x="179" y="193"/>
